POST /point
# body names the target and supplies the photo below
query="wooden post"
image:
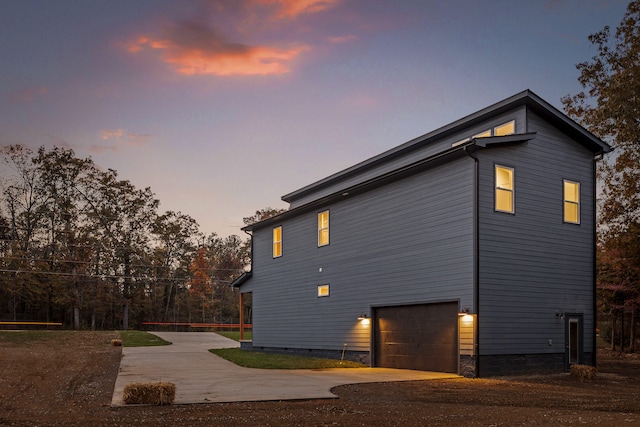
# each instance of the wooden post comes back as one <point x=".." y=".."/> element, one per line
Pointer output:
<point x="241" y="317"/>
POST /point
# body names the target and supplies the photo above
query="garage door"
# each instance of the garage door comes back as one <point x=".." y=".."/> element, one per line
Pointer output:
<point x="423" y="337"/>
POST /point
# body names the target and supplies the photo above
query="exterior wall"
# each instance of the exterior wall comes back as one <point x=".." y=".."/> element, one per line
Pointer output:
<point x="412" y="242"/>
<point x="406" y="242"/>
<point x="425" y="150"/>
<point x="533" y="266"/>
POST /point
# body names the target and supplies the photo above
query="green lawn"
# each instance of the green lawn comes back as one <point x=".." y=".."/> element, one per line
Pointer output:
<point x="235" y="335"/>
<point x="255" y="359"/>
<point x="140" y="339"/>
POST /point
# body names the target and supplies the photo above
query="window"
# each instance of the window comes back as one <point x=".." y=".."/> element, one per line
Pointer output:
<point x="508" y="128"/>
<point x="323" y="228"/>
<point x="571" y="202"/>
<point x="504" y="189"/>
<point x="323" y="291"/>
<point x="277" y="242"/>
<point x="484" y="134"/>
<point x="505" y="129"/>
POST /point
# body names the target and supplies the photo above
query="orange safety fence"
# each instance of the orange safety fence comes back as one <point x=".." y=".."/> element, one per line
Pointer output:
<point x="32" y="323"/>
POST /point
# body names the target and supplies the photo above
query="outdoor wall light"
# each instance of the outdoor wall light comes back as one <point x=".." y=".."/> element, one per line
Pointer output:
<point x="463" y="311"/>
<point x="363" y="316"/>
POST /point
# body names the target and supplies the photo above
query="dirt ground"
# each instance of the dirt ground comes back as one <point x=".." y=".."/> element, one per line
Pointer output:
<point x="67" y="378"/>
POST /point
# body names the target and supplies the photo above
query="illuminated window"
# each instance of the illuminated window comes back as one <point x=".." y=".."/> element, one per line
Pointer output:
<point x="505" y="129"/>
<point x="323" y="228"/>
<point x="571" y="202"/>
<point x="277" y="242"/>
<point x="508" y="128"/>
<point x="323" y="291"/>
<point x="484" y="134"/>
<point x="504" y="189"/>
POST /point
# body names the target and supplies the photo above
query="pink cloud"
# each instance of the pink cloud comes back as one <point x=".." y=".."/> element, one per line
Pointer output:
<point x="28" y="94"/>
<point x="342" y="39"/>
<point x="119" y="139"/>
<point x="193" y="48"/>
<point x="112" y="134"/>
<point x="294" y="8"/>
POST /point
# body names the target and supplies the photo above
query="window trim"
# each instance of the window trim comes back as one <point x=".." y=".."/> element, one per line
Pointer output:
<point x="565" y="201"/>
<point x="496" y="188"/>
<point x="276" y="243"/>
<point x="320" y="244"/>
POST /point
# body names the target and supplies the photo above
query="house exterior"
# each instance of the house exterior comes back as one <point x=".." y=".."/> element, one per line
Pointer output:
<point x="470" y="249"/>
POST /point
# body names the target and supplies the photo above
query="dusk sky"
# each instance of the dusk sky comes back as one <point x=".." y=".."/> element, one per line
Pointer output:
<point x="223" y="106"/>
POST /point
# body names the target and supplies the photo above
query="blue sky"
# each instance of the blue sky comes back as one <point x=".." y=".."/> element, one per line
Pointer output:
<point x="223" y="106"/>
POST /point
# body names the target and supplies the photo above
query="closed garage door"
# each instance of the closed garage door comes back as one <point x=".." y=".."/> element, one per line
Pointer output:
<point x="423" y="337"/>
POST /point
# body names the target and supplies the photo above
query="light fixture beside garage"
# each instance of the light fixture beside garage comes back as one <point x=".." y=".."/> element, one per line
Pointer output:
<point x="364" y="319"/>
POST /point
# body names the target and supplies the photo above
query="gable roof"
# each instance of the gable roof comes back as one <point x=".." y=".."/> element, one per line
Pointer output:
<point x="524" y="98"/>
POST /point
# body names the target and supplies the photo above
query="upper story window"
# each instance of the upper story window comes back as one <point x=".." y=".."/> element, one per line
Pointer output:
<point x="571" y="202"/>
<point x="483" y="134"/>
<point x="277" y="242"/>
<point x="500" y="130"/>
<point x="323" y="228"/>
<point x="505" y="129"/>
<point x="504" y="189"/>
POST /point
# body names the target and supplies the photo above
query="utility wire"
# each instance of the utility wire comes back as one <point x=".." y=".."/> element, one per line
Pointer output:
<point x="63" y="261"/>
<point x="107" y="276"/>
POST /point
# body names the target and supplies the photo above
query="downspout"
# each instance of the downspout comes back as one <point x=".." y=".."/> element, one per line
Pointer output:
<point x="476" y="261"/>
<point x="594" y="337"/>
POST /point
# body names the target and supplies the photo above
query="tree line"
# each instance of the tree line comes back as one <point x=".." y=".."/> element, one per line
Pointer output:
<point x="80" y="246"/>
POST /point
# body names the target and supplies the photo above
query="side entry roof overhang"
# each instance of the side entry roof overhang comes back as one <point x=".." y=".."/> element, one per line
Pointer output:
<point x="240" y="280"/>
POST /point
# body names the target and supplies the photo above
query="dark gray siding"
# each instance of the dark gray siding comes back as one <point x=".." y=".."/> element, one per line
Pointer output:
<point x="532" y="264"/>
<point x="428" y="149"/>
<point x="407" y="242"/>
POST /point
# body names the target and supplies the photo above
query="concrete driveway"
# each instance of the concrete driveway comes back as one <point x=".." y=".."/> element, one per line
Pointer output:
<point x="201" y="376"/>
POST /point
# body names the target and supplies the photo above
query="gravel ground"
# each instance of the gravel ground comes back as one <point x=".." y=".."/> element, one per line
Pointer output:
<point x="67" y="378"/>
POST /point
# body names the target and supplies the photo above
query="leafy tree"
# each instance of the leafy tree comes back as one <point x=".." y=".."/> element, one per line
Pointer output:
<point x="228" y="257"/>
<point x="80" y="245"/>
<point x="262" y="214"/>
<point x="175" y="234"/>
<point x="23" y="200"/>
<point x="619" y="279"/>
<point x="609" y="106"/>
<point x="22" y="194"/>
<point x="64" y="178"/>
<point x="200" y="283"/>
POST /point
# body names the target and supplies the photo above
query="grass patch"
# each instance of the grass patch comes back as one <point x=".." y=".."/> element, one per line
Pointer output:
<point x="27" y="338"/>
<point x="141" y="339"/>
<point x="235" y="335"/>
<point x="255" y="359"/>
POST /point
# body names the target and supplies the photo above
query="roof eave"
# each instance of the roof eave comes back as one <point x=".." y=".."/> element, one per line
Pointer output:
<point x="242" y="279"/>
<point x="415" y="143"/>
